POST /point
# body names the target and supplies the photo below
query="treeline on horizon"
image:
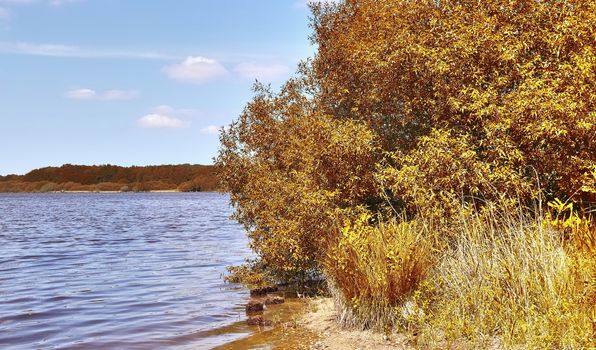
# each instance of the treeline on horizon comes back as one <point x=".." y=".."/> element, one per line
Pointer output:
<point x="183" y="177"/>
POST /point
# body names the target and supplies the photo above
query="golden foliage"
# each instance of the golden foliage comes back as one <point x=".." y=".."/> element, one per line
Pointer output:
<point x="515" y="79"/>
<point x="434" y="110"/>
<point x="289" y="169"/>
<point x="444" y="169"/>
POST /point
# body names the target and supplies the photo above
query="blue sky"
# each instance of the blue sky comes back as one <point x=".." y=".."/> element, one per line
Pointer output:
<point x="135" y="82"/>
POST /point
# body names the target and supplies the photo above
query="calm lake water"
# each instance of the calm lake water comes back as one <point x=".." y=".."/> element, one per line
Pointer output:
<point x="118" y="271"/>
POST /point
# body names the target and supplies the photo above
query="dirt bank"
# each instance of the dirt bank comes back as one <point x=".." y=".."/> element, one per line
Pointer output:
<point x="321" y="320"/>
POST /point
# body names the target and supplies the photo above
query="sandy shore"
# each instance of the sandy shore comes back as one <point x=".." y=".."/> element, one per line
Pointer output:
<point x="321" y="320"/>
<point x="301" y="324"/>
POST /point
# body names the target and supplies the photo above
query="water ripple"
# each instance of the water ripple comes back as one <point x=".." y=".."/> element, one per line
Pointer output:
<point x="117" y="271"/>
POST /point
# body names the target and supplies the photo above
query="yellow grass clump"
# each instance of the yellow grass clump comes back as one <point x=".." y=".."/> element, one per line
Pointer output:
<point x="373" y="268"/>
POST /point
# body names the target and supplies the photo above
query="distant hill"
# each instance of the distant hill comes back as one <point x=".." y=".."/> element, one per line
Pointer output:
<point x="183" y="177"/>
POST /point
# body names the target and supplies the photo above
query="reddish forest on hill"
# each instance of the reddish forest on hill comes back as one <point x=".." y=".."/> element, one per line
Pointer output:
<point x="184" y="177"/>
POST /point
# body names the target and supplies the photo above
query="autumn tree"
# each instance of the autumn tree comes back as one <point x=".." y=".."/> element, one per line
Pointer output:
<point x="514" y="80"/>
<point x="290" y="170"/>
<point x="412" y="104"/>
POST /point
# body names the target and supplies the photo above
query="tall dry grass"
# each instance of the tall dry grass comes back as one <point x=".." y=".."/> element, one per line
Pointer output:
<point x="513" y="280"/>
<point x="502" y="279"/>
<point x="372" y="269"/>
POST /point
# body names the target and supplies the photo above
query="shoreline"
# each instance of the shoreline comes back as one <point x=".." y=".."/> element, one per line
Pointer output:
<point x="321" y="320"/>
<point x="152" y="191"/>
<point x="309" y="323"/>
<point x="283" y="329"/>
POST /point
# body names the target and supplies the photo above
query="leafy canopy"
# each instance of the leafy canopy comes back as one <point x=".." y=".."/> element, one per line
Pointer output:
<point x="414" y="104"/>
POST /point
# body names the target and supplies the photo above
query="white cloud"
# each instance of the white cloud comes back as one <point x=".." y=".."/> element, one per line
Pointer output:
<point x="81" y="94"/>
<point x="120" y="95"/>
<point x="38" y="49"/>
<point x="164" y="116"/>
<point x="210" y="130"/>
<point x="109" y="95"/>
<point x="165" y="109"/>
<point x="195" y="70"/>
<point x="59" y="50"/>
<point x="5" y="13"/>
<point x="251" y="70"/>
<point x="160" y="121"/>
<point x="49" y="2"/>
<point x="177" y="112"/>
<point x="17" y="1"/>
<point x="63" y="2"/>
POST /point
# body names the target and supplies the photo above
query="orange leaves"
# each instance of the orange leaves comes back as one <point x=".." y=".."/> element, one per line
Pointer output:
<point x="516" y="77"/>
<point x="289" y="168"/>
<point x="415" y="104"/>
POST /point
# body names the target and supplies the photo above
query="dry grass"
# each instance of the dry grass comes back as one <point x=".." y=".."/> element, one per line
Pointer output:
<point x="505" y="281"/>
<point x="513" y="281"/>
<point x="373" y="269"/>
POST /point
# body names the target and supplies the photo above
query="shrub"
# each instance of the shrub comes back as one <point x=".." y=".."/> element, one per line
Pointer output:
<point x="436" y="109"/>
<point x="48" y="187"/>
<point x="194" y="185"/>
<point x="83" y="188"/>
<point x="289" y="171"/>
<point x="108" y="186"/>
<point x="252" y="274"/>
<point x="11" y="186"/>
<point x="436" y="101"/>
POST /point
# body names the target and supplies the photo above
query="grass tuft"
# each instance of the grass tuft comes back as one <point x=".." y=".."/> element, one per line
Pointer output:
<point x="373" y="269"/>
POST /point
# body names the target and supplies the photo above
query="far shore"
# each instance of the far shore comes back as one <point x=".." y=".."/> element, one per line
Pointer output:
<point x="151" y="191"/>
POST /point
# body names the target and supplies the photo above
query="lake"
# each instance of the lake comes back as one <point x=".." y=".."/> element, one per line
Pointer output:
<point x="118" y="271"/>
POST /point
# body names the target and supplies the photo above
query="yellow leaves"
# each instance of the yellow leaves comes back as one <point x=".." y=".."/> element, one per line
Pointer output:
<point x="586" y="125"/>
<point x="577" y="225"/>
<point x="527" y="68"/>
<point x="560" y="207"/>
<point x="509" y="53"/>
<point x="443" y="169"/>
<point x="418" y="106"/>
<point x="589" y="180"/>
